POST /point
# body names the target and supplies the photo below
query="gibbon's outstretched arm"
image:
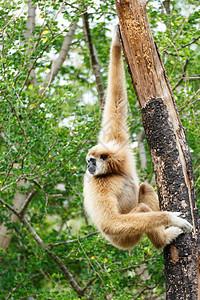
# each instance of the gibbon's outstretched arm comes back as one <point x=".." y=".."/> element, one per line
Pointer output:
<point x="121" y="209"/>
<point x="114" y="125"/>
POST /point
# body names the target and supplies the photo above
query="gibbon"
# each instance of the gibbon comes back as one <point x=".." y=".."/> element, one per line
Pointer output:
<point x="120" y="208"/>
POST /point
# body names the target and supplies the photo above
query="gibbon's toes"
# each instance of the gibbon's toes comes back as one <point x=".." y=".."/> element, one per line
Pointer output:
<point x="181" y="223"/>
<point x="177" y="213"/>
<point x="187" y="227"/>
<point x="172" y="233"/>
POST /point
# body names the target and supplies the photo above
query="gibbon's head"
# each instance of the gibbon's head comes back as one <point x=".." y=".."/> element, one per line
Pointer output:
<point x="109" y="158"/>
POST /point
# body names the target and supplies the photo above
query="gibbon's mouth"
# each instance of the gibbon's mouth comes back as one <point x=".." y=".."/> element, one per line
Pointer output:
<point x="92" y="169"/>
<point x="92" y="166"/>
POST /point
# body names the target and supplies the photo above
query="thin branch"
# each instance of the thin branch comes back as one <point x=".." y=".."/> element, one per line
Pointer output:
<point x="94" y="60"/>
<point x="190" y="43"/>
<point x="183" y="74"/>
<point x="9" y="207"/>
<point x="68" y="275"/>
<point x="26" y="203"/>
<point x="188" y="101"/>
<point x="88" y="284"/>
<point x="16" y="115"/>
<point x="73" y="241"/>
<point x="8" y="185"/>
<point x="57" y="63"/>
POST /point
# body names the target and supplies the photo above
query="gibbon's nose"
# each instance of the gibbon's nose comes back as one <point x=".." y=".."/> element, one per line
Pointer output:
<point x="92" y="165"/>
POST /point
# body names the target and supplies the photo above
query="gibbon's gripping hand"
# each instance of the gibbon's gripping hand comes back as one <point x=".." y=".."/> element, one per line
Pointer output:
<point x="179" y="222"/>
<point x="116" y="35"/>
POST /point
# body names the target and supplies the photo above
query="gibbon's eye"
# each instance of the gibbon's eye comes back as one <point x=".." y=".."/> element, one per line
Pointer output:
<point x="103" y="156"/>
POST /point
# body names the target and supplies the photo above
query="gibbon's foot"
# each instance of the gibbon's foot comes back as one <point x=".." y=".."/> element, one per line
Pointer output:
<point x="179" y="222"/>
<point x="172" y="233"/>
<point x="116" y="35"/>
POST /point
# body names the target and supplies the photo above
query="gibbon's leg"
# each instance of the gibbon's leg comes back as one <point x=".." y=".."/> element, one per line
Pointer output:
<point x="115" y="111"/>
<point x="159" y="236"/>
<point x="140" y="222"/>
<point x="148" y="196"/>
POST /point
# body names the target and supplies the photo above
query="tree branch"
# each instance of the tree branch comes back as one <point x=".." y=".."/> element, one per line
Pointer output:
<point x="190" y="43"/>
<point x="183" y="74"/>
<point x="166" y="4"/>
<point x="26" y="203"/>
<point x="66" y="272"/>
<point x="9" y="207"/>
<point x="72" y="241"/>
<point x="94" y="60"/>
<point x="30" y="26"/>
<point x="197" y="92"/>
<point x="57" y="63"/>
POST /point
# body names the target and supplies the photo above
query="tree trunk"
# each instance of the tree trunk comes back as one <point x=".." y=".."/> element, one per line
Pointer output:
<point x="18" y="201"/>
<point x="30" y="26"/>
<point x="168" y="145"/>
<point x="94" y="60"/>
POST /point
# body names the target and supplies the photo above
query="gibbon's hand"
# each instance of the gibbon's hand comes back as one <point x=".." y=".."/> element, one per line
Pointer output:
<point x="116" y="35"/>
<point x="179" y="222"/>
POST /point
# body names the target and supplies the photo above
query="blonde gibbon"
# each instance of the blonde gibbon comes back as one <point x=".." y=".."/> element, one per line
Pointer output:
<point x="120" y="208"/>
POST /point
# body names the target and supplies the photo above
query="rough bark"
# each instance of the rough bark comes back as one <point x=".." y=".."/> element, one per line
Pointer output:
<point x="94" y="60"/>
<point x="168" y="145"/>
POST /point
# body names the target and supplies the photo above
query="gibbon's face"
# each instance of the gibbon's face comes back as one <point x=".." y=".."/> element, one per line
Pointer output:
<point x="102" y="160"/>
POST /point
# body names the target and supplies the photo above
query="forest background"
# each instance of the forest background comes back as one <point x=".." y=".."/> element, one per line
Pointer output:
<point x="54" y="63"/>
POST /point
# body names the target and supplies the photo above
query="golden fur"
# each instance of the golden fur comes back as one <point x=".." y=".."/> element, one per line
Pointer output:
<point x="122" y="209"/>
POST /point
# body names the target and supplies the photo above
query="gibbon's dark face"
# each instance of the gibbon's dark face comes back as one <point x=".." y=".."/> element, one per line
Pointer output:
<point x="92" y="165"/>
<point x="101" y="161"/>
<point x="96" y="163"/>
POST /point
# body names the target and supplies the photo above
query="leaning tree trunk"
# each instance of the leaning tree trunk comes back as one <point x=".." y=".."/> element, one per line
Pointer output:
<point x="168" y="145"/>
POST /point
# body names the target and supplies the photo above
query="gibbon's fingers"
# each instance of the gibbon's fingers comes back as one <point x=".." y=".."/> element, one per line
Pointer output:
<point x="116" y="35"/>
<point x="181" y="223"/>
<point x="177" y="213"/>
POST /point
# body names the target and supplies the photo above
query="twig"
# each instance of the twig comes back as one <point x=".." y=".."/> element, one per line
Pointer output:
<point x="188" y="101"/>
<point x="16" y="115"/>
<point x="190" y="43"/>
<point x="9" y="207"/>
<point x="183" y="74"/>
<point x="72" y="241"/>
<point x="8" y="185"/>
<point x="26" y="203"/>
<point x="94" y="60"/>
<point x="68" y="275"/>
